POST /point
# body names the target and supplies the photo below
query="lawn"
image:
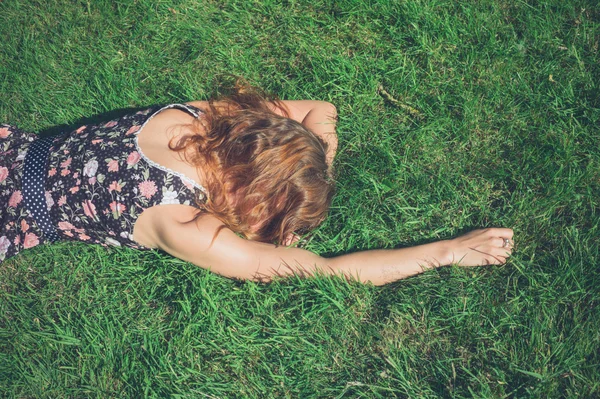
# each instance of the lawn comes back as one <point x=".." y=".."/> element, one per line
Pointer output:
<point x="453" y="115"/>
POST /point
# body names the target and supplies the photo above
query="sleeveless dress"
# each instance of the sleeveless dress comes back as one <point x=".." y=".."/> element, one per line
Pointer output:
<point x="98" y="183"/>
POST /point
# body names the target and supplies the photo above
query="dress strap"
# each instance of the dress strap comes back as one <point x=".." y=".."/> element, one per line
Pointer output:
<point x="192" y="109"/>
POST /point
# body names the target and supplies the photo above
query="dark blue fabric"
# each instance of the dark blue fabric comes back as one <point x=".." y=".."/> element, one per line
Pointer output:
<point x="34" y="179"/>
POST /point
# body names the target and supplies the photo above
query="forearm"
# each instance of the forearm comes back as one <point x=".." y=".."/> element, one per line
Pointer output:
<point x="381" y="267"/>
<point x="322" y="121"/>
<point x="378" y="267"/>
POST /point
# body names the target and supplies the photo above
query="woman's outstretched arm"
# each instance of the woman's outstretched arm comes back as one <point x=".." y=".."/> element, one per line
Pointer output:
<point x="208" y="244"/>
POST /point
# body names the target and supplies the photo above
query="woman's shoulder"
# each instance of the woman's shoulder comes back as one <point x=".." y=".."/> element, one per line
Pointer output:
<point x="153" y="227"/>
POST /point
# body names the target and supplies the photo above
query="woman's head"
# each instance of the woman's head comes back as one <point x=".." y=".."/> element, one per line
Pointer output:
<point x="266" y="174"/>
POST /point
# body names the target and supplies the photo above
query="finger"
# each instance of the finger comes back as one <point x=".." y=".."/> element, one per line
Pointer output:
<point x="498" y="260"/>
<point x="503" y="252"/>
<point x="498" y="242"/>
<point x="503" y="242"/>
<point x="492" y="260"/>
<point x="503" y="232"/>
<point x="291" y="239"/>
<point x="495" y="255"/>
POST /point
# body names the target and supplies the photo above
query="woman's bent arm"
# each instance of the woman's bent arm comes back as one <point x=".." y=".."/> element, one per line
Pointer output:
<point x="318" y="116"/>
<point x="207" y="244"/>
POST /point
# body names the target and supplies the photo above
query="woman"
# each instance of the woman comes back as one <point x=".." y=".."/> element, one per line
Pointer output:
<point x="216" y="183"/>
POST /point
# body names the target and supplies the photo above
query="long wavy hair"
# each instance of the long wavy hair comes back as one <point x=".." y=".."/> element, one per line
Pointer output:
<point x="265" y="174"/>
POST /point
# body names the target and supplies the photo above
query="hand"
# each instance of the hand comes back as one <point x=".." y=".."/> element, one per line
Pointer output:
<point x="481" y="247"/>
<point x="291" y="239"/>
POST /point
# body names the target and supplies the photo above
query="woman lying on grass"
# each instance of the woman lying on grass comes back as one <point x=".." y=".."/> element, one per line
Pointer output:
<point x="225" y="184"/>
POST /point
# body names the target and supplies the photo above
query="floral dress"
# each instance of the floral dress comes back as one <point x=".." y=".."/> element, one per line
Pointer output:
<point x="98" y="183"/>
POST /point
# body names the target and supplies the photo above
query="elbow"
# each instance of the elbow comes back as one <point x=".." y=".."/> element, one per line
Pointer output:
<point x="330" y="110"/>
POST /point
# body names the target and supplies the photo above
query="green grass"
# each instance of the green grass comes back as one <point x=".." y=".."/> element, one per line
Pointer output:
<point x="494" y="120"/>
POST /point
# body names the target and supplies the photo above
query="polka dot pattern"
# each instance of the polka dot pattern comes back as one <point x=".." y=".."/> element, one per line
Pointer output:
<point x="89" y="184"/>
<point x="18" y="229"/>
<point x="34" y="179"/>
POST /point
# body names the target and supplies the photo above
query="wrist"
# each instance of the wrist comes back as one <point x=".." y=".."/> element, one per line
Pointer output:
<point x="442" y="253"/>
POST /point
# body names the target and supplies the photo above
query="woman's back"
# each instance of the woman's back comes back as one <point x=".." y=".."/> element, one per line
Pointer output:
<point x="101" y="178"/>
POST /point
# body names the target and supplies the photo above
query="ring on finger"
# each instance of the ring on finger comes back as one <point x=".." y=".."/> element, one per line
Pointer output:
<point x="506" y="243"/>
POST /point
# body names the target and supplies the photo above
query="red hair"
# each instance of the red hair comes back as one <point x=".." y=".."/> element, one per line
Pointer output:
<point x="265" y="174"/>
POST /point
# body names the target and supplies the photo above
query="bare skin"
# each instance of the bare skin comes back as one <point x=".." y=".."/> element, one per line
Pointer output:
<point x="168" y="227"/>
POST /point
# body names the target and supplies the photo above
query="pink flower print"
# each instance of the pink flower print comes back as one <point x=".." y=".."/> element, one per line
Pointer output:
<point x="92" y="180"/>
<point x="81" y="129"/>
<point x="89" y="209"/>
<point x="132" y="129"/>
<point x="31" y="240"/>
<point x="73" y="190"/>
<point x="97" y="141"/>
<point x="117" y="208"/>
<point x="110" y="124"/>
<point x="17" y="240"/>
<point x="80" y="231"/>
<point x="3" y="173"/>
<point x="65" y="226"/>
<point x="114" y="186"/>
<point x="65" y="172"/>
<point x="66" y="163"/>
<point x="113" y="165"/>
<point x="75" y="175"/>
<point x="84" y="237"/>
<point x="4" y="132"/>
<point x="15" y="199"/>
<point x="24" y="225"/>
<point x="188" y="184"/>
<point x="52" y="172"/>
<point x="62" y="200"/>
<point x="133" y="158"/>
<point x="68" y="233"/>
<point x="147" y="188"/>
<point x="90" y="168"/>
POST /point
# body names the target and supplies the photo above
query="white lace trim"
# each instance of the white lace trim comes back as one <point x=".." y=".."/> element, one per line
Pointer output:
<point x="159" y="166"/>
